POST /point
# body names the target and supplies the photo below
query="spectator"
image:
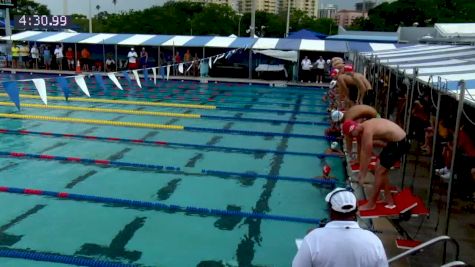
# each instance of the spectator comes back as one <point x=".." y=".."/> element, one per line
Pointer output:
<point x="187" y="60"/>
<point x="35" y="55"/>
<point x="143" y="58"/>
<point x="47" y="57"/>
<point x="24" y="54"/>
<point x="341" y="242"/>
<point x="70" y="58"/>
<point x="85" y="59"/>
<point x="320" y="66"/>
<point x="110" y="64"/>
<point x="176" y="62"/>
<point x="58" y="52"/>
<point x="132" y="56"/>
<point x="15" y="55"/>
<point x="196" y="64"/>
<point x="306" y="69"/>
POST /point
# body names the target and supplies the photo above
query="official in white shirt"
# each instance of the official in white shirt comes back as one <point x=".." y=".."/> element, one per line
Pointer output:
<point x="341" y="243"/>
<point x="306" y="69"/>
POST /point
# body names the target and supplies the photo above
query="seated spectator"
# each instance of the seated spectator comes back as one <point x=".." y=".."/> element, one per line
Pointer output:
<point x="341" y="242"/>
<point x="110" y="64"/>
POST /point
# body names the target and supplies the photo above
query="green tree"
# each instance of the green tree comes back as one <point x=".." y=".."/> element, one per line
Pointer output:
<point x="29" y="7"/>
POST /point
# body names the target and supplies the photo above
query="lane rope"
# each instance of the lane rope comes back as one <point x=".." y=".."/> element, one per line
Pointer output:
<point x="91" y="121"/>
<point x="106" y="110"/>
<point x="123" y="102"/>
<point x="154" y="167"/>
<point x="161" y="126"/>
<point x="65" y="259"/>
<point x="155" y="205"/>
<point x="166" y="143"/>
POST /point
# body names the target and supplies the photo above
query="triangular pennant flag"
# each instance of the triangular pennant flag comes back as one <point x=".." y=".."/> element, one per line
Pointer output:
<point x="180" y="67"/>
<point x="168" y="72"/>
<point x="100" y="81"/>
<point x="145" y="76"/>
<point x="218" y="58"/>
<point x="127" y="77"/>
<point x="210" y="62"/>
<point x="13" y="92"/>
<point x="40" y="85"/>
<point x="64" y="86"/>
<point x="154" y="71"/>
<point x="82" y="84"/>
<point x="111" y="76"/>
<point x="162" y="72"/>
<point x="191" y="65"/>
<point x="137" y="78"/>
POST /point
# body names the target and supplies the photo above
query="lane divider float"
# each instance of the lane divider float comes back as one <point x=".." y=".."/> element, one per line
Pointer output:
<point x="105" y="162"/>
<point x="65" y="259"/>
<point x="160" y="126"/>
<point x="166" y="143"/>
<point x="156" y="205"/>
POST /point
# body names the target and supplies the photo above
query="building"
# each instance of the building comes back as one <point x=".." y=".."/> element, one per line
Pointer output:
<point x="345" y="17"/>
<point x="271" y="6"/>
<point x="310" y="7"/>
<point x="328" y="11"/>
<point x="364" y="6"/>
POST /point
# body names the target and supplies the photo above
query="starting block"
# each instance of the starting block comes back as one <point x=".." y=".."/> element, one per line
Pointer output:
<point x="404" y="201"/>
<point x="407" y="244"/>
<point x="355" y="168"/>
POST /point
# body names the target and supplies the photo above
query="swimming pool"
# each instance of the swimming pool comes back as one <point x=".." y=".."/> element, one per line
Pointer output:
<point x="231" y="185"/>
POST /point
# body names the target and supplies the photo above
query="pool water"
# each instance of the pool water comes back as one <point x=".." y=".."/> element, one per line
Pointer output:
<point x="230" y="159"/>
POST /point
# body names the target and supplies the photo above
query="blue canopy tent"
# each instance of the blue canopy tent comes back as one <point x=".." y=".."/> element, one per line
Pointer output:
<point x="306" y="34"/>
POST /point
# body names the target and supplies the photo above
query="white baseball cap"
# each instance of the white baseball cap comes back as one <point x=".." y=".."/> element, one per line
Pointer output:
<point x="334" y="145"/>
<point x="336" y="115"/>
<point x="341" y="200"/>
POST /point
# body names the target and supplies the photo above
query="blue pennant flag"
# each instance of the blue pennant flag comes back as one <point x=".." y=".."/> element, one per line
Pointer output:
<point x="63" y="83"/>
<point x="100" y="82"/>
<point x="162" y="72"/>
<point x="13" y="92"/>
<point x="145" y="76"/>
<point x="126" y="76"/>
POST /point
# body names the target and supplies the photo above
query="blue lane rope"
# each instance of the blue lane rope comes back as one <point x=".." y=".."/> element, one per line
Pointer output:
<point x="157" y="205"/>
<point x="65" y="259"/>
<point x="256" y="133"/>
<point x="164" y="143"/>
<point x="319" y="181"/>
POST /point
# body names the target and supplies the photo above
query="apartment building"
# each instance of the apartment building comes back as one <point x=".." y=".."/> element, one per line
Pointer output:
<point x="346" y="17"/>
<point x="328" y="11"/>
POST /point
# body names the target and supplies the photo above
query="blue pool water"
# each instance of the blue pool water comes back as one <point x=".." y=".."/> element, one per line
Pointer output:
<point x="286" y="120"/>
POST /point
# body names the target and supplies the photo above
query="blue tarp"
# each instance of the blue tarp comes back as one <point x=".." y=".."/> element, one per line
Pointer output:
<point x="306" y="34"/>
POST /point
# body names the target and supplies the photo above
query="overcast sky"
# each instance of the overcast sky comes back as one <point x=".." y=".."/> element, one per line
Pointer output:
<point x="81" y="6"/>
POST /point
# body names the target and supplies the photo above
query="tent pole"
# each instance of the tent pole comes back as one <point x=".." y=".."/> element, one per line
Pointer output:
<point x="103" y="56"/>
<point x="388" y="93"/>
<point x="451" y="181"/>
<point x="75" y="53"/>
<point x="407" y="119"/>
<point x="434" y="140"/>
<point x="250" y="64"/>
<point x="116" y="62"/>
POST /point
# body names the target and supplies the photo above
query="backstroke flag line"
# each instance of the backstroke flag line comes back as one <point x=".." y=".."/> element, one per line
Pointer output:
<point x="40" y="85"/>
<point x="13" y="92"/>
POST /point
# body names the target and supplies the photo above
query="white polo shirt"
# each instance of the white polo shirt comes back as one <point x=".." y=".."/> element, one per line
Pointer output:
<point x="341" y="244"/>
<point x="306" y="64"/>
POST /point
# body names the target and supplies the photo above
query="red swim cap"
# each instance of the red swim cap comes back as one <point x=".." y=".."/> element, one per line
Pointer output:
<point x="348" y="68"/>
<point x="326" y="170"/>
<point x="348" y="126"/>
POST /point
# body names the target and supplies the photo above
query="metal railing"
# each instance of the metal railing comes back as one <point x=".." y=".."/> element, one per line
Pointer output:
<point x="426" y="244"/>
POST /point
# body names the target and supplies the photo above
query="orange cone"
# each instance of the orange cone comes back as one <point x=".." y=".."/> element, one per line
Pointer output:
<point x="78" y="67"/>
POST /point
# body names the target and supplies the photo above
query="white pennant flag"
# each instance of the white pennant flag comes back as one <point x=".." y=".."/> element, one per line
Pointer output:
<point x="82" y="84"/>
<point x="180" y="67"/>
<point x="168" y="72"/>
<point x="114" y="80"/>
<point x="218" y="58"/>
<point x="154" y="71"/>
<point x="40" y="85"/>
<point x="137" y="78"/>
<point x="210" y="63"/>
<point x="191" y="65"/>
